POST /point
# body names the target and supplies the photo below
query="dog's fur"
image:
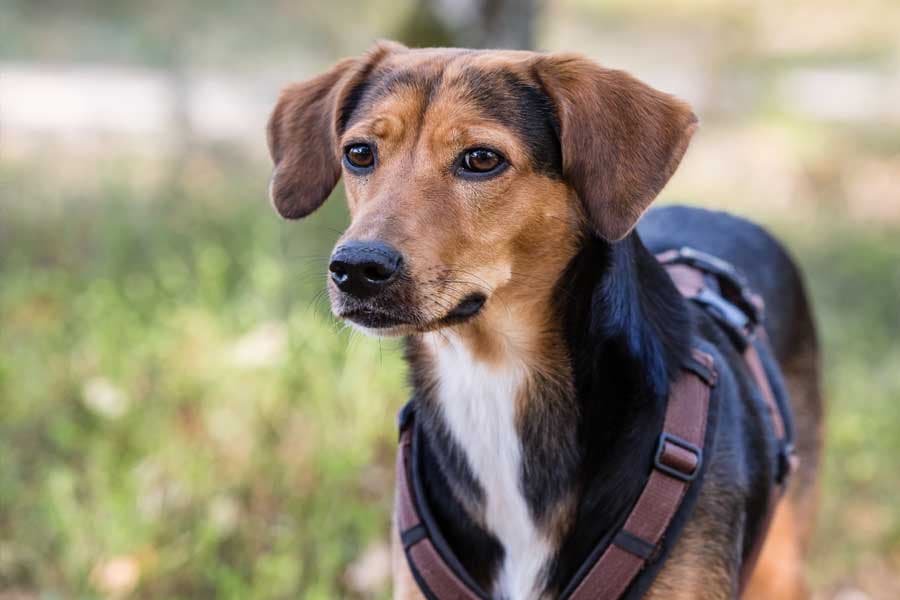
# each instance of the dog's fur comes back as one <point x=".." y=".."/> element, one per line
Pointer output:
<point x="539" y="409"/>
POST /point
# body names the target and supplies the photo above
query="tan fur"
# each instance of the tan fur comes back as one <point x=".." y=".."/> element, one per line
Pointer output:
<point x="779" y="573"/>
<point x="558" y="522"/>
<point x="697" y="567"/>
<point x="499" y="231"/>
<point x="801" y="375"/>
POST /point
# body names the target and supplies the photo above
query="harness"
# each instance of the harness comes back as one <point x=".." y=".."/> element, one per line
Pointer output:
<point x="623" y="564"/>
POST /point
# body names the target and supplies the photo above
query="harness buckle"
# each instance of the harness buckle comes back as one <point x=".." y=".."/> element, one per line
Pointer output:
<point x="787" y="463"/>
<point x="733" y="285"/>
<point x="730" y="313"/>
<point x="678" y="457"/>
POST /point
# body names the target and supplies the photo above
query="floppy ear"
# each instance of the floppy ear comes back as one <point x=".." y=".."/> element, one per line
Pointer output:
<point x="304" y="128"/>
<point x="621" y="139"/>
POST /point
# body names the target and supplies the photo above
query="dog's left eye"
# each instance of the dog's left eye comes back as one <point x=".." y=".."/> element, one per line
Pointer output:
<point x="481" y="160"/>
<point x="360" y="156"/>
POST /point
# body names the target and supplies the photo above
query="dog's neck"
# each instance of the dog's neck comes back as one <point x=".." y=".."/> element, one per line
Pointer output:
<point x="532" y="412"/>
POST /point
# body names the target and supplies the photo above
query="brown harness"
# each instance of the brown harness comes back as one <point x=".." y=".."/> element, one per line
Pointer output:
<point x="677" y="463"/>
<point x="708" y="280"/>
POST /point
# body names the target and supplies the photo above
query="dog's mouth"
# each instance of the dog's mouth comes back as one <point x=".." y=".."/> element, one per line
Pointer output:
<point x="383" y="321"/>
<point x="468" y="308"/>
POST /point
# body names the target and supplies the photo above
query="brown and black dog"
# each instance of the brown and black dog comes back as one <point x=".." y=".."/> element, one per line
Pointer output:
<point x="494" y="197"/>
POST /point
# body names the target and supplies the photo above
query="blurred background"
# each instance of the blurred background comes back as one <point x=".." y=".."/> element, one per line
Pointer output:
<point x="180" y="417"/>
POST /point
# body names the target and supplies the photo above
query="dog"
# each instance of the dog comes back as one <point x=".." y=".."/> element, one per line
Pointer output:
<point x="495" y="200"/>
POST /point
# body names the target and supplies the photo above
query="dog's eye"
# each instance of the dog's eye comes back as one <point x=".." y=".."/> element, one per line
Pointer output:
<point x="360" y="156"/>
<point x="481" y="160"/>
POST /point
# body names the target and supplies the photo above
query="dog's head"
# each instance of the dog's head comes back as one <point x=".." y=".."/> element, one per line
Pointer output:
<point x="468" y="173"/>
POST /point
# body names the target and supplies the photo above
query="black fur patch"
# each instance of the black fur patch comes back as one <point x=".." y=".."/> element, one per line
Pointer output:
<point x="551" y="453"/>
<point x="624" y="351"/>
<point x="354" y="97"/>
<point x="425" y="81"/>
<point x="522" y="106"/>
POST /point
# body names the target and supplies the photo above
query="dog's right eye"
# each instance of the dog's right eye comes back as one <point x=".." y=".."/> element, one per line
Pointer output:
<point x="360" y="156"/>
<point x="480" y="163"/>
<point x="481" y="160"/>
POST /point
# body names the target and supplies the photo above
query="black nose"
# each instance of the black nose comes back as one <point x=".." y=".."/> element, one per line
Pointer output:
<point x="363" y="269"/>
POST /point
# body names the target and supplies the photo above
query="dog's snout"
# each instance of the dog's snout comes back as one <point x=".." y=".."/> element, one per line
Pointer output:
<point x="363" y="269"/>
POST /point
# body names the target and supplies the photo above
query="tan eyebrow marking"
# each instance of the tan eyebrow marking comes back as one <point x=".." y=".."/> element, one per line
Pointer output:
<point x="383" y="127"/>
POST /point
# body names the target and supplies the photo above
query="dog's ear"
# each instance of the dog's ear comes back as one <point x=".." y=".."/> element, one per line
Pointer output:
<point x="303" y="132"/>
<point x="621" y="139"/>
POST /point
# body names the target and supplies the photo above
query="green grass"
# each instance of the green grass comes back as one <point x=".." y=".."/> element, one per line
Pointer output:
<point x="222" y="474"/>
<point x="174" y="397"/>
<point x="855" y="283"/>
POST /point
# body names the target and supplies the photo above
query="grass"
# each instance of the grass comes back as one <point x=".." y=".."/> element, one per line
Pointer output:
<point x="180" y="418"/>
<point x="173" y="400"/>
<point x="855" y="277"/>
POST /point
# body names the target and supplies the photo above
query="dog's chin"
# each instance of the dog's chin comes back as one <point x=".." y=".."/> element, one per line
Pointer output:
<point x="376" y="322"/>
<point x="384" y="332"/>
<point x="380" y="323"/>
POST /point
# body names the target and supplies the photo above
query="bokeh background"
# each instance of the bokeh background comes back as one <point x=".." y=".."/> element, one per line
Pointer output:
<point x="180" y="417"/>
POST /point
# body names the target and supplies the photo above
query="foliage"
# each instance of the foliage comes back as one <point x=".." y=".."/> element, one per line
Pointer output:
<point x="171" y="397"/>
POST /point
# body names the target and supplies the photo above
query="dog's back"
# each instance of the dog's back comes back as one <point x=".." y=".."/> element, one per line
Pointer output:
<point x="790" y="326"/>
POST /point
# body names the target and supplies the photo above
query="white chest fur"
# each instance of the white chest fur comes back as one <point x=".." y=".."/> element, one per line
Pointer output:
<point x="479" y="404"/>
